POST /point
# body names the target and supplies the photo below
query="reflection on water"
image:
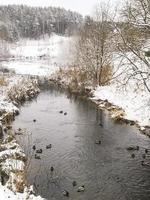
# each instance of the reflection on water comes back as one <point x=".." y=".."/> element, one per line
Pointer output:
<point x="108" y="171"/>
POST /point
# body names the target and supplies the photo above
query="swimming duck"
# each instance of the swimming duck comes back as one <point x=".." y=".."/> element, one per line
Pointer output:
<point x="61" y="111"/>
<point x="133" y="155"/>
<point x="98" y="142"/>
<point x="39" y="151"/>
<point x="65" y="113"/>
<point x="100" y="124"/>
<point x="34" y="120"/>
<point x="146" y="150"/>
<point x="37" y="157"/>
<point x="5" y="130"/>
<point x="52" y="169"/>
<point x="34" y="147"/>
<point x="133" y="148"/>
<point x="65" y="193"/>
<point x="144" y="156"/>
<point x="81" y="189"/>
<point x="49" y="146"/>
<point x="145" y="163"/>
<point x="74" y="183"/>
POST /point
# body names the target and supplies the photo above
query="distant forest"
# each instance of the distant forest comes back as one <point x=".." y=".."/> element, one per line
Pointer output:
<point x="32" y="22"/>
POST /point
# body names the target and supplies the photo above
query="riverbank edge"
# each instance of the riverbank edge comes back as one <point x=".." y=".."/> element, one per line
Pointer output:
<point x="14" y="179"/>
<point x="116" y="113"/>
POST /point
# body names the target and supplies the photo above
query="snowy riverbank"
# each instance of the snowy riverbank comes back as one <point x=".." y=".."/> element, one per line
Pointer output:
<point x="14" y="90"/>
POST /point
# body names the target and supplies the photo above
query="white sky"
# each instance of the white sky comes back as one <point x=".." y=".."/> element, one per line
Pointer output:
<point x="84" y="7"/>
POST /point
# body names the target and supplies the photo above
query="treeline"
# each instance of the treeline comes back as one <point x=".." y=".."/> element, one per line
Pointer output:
<point x="32" y="22"/>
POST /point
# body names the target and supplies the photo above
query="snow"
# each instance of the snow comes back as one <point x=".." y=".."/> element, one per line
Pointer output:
<point x="40" y="57"/>
<point x="13" y="165"/>
<point x="6" y="194"/>
<point x="16" y="86"/>
<point x="135" y="103"/>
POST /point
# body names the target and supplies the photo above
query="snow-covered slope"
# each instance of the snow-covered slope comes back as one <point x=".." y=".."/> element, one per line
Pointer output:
<point x="135" y="104"/>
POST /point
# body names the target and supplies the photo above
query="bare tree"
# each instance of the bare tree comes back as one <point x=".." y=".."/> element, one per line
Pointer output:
<point x="94" y="46"/>
<point x="138" y="13"/>
<point x="132" y="41"/>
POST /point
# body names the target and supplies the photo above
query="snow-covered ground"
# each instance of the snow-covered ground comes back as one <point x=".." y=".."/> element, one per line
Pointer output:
<point x="135" y="104"/>
<point x="128" y="94"/>
<point x="6" y="194"/>
<point x="40" y="57"/>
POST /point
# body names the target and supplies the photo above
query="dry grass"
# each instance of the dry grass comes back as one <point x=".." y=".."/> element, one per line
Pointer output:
<point x="106" y="74"/>
<point x="3" y="81"/>
<point x="19" y="181"/>
<point x="78" y="77"/>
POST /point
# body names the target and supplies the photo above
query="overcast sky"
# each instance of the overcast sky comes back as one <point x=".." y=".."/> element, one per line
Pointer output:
<point x="85" y="7"/>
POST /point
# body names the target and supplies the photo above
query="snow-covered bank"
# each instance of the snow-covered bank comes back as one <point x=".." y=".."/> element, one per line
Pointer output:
<point x="136" y="106"/>
<point x="40" y="57"/>
<point x="12" y="184"/>
<point x="14" y="90"/>
<point x="5" y="193"/>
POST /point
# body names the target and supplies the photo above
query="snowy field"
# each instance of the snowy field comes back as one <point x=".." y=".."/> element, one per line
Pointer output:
<point x="40" y="57"/>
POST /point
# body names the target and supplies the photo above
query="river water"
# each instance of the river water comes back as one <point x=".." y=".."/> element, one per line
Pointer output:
<point x="107" y="171"/>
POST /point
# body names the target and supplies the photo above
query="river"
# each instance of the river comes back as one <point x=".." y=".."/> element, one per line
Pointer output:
<point x="107" y="171"/>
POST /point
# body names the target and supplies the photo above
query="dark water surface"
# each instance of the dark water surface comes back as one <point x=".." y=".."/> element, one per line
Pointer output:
<point x="107" y="170"/>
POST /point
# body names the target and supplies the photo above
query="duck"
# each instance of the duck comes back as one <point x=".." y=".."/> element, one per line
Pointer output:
<point x="65" y="113"/>
<point x="34" y="120"/>
<point x="133" y="155"/>
<point x="144" y="156"/>
<point x="5" y="130"/>
<point x="61" y="111"/>
<point x="100" y="124"/>
<point x="133" y="148"/>
<point x="9" y="127"/>
<point x="146" y="150"/>
<point x="98" y="142"/>
<point x="65" y="193"/>
<point x="145" y="163"/>
<point x="74" y="183"/>
<point x="34" y="147"/>
<point x="39" y="151"/>
<point x="19" y="129"/>
<point x="81" y="189"/>
<point x="49" y="146"/>
<point x="52" y="169"/>
<point x="37" y="157"/>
